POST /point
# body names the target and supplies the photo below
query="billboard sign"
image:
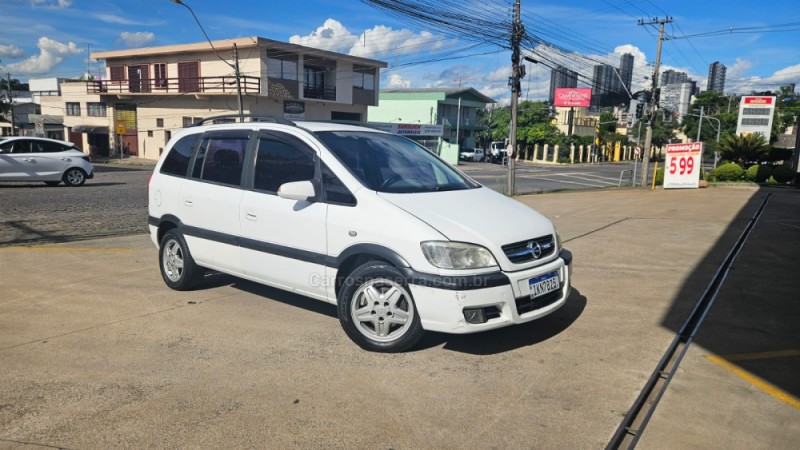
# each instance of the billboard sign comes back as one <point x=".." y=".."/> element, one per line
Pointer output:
<point x="580" y="97"/>
<point x="409" y="129"/>
<point x="755" y="115"/>
<point x="294" y="110"/>
<point x="682" y="169"/>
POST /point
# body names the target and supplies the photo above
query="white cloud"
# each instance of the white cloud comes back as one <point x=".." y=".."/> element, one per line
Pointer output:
<point x="736" y="80"/>
<point x="51" y="53"/>
<point x="396" y="81"/>
<point x="11" y="50"/>
<point x="382" y="40"/>
<point x="112" y="18"/>
<point x="51" y="3"/>
<point x="332" y="35"/>
<point x="136" y="39"/>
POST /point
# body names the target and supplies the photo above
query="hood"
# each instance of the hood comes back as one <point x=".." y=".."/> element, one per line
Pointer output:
<point x="481" y="216"/>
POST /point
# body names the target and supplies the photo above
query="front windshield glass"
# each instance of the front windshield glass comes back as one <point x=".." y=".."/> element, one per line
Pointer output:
<point x="390" y="163"/>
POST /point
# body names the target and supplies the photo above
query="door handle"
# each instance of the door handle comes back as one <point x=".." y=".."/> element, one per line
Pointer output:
<point x="28" y="159"/>
<point x="188" y="202"/>
<point x="66" y="159"/>
<point x="251" y="216"/>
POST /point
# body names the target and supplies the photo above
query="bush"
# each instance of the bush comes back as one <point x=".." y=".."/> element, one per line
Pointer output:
<point x="727" y="172"/>
<point x="783" y="174"/>
<point x="660" y="176"/>
<point x="759" y="173"/>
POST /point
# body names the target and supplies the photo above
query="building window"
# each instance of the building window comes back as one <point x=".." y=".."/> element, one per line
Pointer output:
<point x="160" y="123"/>
<point x="189" y="121"/>
<point x="149" y="133"/>
<point x="281" y="68"/>
<point x="95" y="109"/>
<point x="160" y="75"/>
<point x="364" y="80"/>
<point x="167" y="135"/>
<point x="73" y="109"/>
<point x="117" y="72"/>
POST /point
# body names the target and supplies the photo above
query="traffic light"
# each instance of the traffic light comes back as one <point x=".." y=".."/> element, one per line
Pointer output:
<point x="639" y="110"/>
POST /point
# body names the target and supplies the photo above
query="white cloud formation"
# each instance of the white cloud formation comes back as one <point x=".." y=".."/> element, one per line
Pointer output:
<point x="112" y="18"/>
<point x="11" y="50"/>
<point x="51" y="3"/>
<point x="136" y="39"/>
<point x="736" y="80"/>
<point x="397" y="82"/>
<point x="382" y="40"/>
<point x="332" y="35"/>
<point x="51" y="53"/>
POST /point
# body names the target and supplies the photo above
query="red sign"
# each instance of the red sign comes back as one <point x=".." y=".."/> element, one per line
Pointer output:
<point x="580" y="97"/>
<point x="758" y="100"/>
<point x="688" y="147"/>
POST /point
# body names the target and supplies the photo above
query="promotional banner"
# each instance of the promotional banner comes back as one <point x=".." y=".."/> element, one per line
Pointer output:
<point x="580" y="97"/>
<point x="682" y="169"/>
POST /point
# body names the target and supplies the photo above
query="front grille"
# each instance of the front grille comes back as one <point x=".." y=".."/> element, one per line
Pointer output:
<point x="523" y="251"/>
<point x="527" y="304"/>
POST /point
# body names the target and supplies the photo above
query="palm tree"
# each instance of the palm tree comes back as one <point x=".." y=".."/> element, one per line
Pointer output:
<point x="743" y="148"/>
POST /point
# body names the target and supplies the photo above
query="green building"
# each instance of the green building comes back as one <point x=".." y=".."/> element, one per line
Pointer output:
<point x="435" y="106"/>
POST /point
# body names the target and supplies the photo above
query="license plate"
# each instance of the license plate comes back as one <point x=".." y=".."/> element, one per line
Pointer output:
<point x="543" y="284"/>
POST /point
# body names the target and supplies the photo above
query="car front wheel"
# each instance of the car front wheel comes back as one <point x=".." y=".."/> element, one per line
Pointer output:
<point x="377" y="311"/>
<point x="74" y="177"/>
<point x="177" y="266"/>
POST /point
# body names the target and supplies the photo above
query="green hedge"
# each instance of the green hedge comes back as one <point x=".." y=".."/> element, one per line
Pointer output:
<point x="727" y="172"/>
<point x="660" y="176"/>
<point x="758" y="173"/>
<point x="783" y="174"/>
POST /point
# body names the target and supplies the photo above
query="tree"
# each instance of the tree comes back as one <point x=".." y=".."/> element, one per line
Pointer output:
<point x="744" y="148"/>
<point x="5" y="106"/>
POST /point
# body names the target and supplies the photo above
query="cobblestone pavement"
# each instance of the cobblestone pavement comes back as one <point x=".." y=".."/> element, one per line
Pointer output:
<point x="113" y="203"/>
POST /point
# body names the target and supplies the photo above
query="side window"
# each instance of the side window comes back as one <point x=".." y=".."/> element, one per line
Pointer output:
<point x="177" y="160"/>
<point x="21" y="146"/>
<point x="220" y="159"/>
<point x="38" y="147"/>
<point x="281" y="161"/>
<point x="6" y="147"/>
<point x="53" y="147"/>
<point x="335" y="191"/>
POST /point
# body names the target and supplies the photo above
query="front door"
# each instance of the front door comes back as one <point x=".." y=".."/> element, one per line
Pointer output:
<point x="284" y="241"/>
<point x="189" y="76"/>
<point x="139" y="78"/>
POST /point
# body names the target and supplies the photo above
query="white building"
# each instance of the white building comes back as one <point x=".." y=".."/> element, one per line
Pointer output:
<point x="676" y="98"/>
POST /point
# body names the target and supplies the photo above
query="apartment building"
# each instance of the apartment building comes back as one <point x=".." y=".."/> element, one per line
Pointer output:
<point x="149" y="92"/>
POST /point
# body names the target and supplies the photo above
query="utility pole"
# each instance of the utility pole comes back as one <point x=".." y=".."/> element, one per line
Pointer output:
<point x="238" y="81"/>
<point x="648" y="137"/>
<point x="517" y="72"/>
<point x="11" y="106"/>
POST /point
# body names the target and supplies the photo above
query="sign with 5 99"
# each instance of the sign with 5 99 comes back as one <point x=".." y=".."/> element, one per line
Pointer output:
<point x="682" y="169"/>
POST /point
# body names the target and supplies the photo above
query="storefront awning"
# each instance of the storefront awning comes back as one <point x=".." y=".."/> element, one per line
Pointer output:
<point x="90" y="129"/>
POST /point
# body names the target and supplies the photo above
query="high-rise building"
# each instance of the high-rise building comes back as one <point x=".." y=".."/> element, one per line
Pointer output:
<point x="670" y="76"/>
<point x="604" y="82"/>
<point x="561" y="77"/>
<point x="626" y="71"/>
<point x="675" y="98"/>
<point x="716" y="77"/>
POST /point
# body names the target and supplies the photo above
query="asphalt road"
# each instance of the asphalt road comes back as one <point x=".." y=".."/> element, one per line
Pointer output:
<point x="113" y="203"/>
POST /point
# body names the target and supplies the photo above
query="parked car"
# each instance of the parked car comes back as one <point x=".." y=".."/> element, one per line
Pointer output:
<point x="366" y="220"/>
<point x="475" y="154"/>
<point x="40" y="159"/>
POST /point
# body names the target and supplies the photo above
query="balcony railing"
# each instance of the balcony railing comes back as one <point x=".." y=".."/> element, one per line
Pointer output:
<point x="326" y="93"/>
<point x="216" y="85"/>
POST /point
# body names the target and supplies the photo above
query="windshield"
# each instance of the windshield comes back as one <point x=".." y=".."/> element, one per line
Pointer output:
<point x="391" y="163"/>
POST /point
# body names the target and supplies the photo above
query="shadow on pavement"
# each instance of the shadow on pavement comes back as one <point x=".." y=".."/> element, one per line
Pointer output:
<point x="758" y="307"/>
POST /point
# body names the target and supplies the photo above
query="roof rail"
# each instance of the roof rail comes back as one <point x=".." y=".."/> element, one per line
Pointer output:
<point x="253" y="118"/>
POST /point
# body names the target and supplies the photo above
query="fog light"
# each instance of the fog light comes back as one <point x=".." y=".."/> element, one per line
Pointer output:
<point x="475" y="315"/>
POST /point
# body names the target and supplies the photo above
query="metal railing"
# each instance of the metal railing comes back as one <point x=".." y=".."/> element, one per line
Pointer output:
<point x="221" y="84"/>
<point x="324" y="93"/>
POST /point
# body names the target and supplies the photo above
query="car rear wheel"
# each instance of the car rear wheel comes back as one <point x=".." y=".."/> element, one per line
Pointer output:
<point x="177" y="266"/>
<point x="74" y="177"/>
<point x="377" y="311"/>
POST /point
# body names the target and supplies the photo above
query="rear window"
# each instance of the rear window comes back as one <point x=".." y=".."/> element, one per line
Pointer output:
<point x="177" y="160"/>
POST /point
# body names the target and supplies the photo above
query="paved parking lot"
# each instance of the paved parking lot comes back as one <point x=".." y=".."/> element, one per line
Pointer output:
<point x="98" y="353"/>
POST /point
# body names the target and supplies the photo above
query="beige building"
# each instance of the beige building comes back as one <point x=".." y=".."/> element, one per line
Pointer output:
<point x="149" y="92"/>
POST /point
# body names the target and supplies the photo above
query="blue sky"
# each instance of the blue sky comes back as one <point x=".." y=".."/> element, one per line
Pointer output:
<point x="43" y="38"/>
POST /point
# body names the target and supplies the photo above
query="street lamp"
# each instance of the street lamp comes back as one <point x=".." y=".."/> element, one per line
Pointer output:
<point x="234" y="66"/>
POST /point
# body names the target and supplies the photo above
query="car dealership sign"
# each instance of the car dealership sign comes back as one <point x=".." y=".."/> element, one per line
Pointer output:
<point x="580" y="97"/>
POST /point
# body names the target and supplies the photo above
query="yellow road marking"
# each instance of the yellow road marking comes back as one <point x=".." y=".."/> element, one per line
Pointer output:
<point x="769" y="388"/>
<point x="69" y="249"/>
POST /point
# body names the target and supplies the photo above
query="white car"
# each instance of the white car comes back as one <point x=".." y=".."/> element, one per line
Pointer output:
<point x="372" y="222"/>
<point x="39" y="159"/>
<point x="475" y="154"/>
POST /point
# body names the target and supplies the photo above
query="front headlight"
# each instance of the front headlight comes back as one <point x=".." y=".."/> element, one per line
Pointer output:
<point x="457" y="255"/>
<point x="558" y="242"/>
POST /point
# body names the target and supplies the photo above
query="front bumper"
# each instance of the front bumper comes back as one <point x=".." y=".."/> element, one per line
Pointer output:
<point x="441" y="305"/>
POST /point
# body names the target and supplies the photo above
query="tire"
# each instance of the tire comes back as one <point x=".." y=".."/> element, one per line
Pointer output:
<point x="377" y="311"/>
<point x="74" y="177"/>
<point x="178" y="269"/>
<point x="52" y="183"/>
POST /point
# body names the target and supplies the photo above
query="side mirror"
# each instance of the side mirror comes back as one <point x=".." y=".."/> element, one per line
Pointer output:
<point x="297" y="190"/>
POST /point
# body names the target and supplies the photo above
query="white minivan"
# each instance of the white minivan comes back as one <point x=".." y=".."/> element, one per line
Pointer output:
<point x="398" y="239"/>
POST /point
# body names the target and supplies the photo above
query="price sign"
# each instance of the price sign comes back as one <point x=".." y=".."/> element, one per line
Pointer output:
<point x="682" y="165"/>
